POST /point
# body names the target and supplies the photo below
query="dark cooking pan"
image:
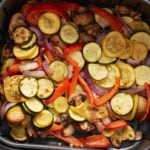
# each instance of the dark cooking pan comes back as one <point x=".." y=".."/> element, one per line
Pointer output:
<point x="7" y="8"/>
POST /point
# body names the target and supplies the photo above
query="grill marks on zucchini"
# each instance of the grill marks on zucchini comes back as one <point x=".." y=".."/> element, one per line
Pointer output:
<point x="45" y="89"/>
<point x="28" y="86"/>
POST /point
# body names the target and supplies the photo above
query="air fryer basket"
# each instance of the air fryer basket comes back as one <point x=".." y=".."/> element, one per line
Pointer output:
<point x="7" y="8"/>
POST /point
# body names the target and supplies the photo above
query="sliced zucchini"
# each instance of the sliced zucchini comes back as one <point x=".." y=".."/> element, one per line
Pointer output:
<point x="30" y="43"/>
<point x="110" y="80"/>
<point x="26" y="109"/>
<point x="75" y="116"/>
<point x="92" y="52"/>
<point x="18" y="134"/>
<point x="8" y="62"/>
<point x="122" y="104"/>
<point x="139" y="51"/>
<point x="97" y="71"/>
<point x="36" y="53"/>
<point x="59" y="70"/>
<point x="108" y="133"/>
<point x="21" y="35"/>
<point x="105" y="59"/>
<point x="127" y="74"/>
<point x="34" y="105"/>
<point x="61" y="104"/>
<point x="101" y="112"/>
<point x="138" y="26"/>
<point x="77" y="56"/>
<point x="25" y="54"/>
<point x="11" y="89"/>
<point x="49" y="23"/>
<point x="113" y="44"/>
<point x="128" y="50"/>
<point x="78" y="88"/>
<point x="46" y="88"/>
<point x="141" y="37"/>
<point x="15" y="115"/>
<point x="142" y="74"/>
<point x="133" y="113"/>
<point x="28" y="86"/>
<point x="69" y="34"/>
<point x="43" y="119"/>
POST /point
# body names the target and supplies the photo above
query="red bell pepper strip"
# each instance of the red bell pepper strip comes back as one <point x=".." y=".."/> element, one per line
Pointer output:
<point x="13" y="69"/>
<point x="71" y="61"/>
<point x="74" y="47"/>
<point x="56" y="127"/>
<point x="49" y="55"/>
<point x="116" y="125"/>
<point x="68" y="6"/>
<point x="107" y="96"/>
<point x="68" y="139"/>
<point x="95" y="141"/>
<point x="114" y="21"/>
<point x="147" y="112"/>
<point x="36" y="10"/>
<point x="38" y="59"/>
<point x="86" y="88"/>
<point x="60" y="90"/>
<point x="74" y="80"/>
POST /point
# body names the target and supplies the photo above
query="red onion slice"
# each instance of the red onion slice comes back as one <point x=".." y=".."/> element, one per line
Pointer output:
<point x="35" y="74"/>
<point x="106" y="120"/>
<point x="39" y="35"/>
<point x="96" y="89"/>
<point x="54" y="50"/>
<point x="46" y="68"/>
<point x="4" y="108"/>
<point x="133" y="62"/>
<point x="25" y="66"/>
<point x="99" y="125"/>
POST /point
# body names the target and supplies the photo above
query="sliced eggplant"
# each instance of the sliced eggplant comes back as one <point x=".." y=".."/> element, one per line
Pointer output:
<point x="46" y="88"/>
<point x="59" y="70"/>
<point x="21" y="35"/>
<point x="122" y="103"/>
<point x="28" y="86"/>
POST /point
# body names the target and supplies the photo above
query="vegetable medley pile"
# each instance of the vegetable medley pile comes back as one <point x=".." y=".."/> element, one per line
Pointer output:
<point x="70" y="68"/>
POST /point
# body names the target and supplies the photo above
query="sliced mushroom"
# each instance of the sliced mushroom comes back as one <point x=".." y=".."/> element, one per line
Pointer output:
<point x="123" y="10"/>
<point x="83" y="18"/>
<point x="68" y="130"/>
<point x="93" y="29"/>
<point x="16" y="20"/>
<point x="86" y="126"/>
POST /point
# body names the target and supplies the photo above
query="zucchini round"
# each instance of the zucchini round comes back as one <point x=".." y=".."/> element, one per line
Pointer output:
<point x="69" y="34"/>
<point x="21" y="35"/>
<point x="43" y="119"/>
<point x="25" y="54"/>
<point x="26" y="109"/>
<point x="49" y="23"/>
<point x="34" y="105"/>
<point x="59" y="70"/>
<point x="61" y="104"/>
<point x="97" y="71"/>
<point x="122" y="104"/>
<point x="92" y="52"/>
<point x="30" y="43"/>
<point x="28" y="86"/>
<point x="46" y="88"/>
<point x="75" y="116"/>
